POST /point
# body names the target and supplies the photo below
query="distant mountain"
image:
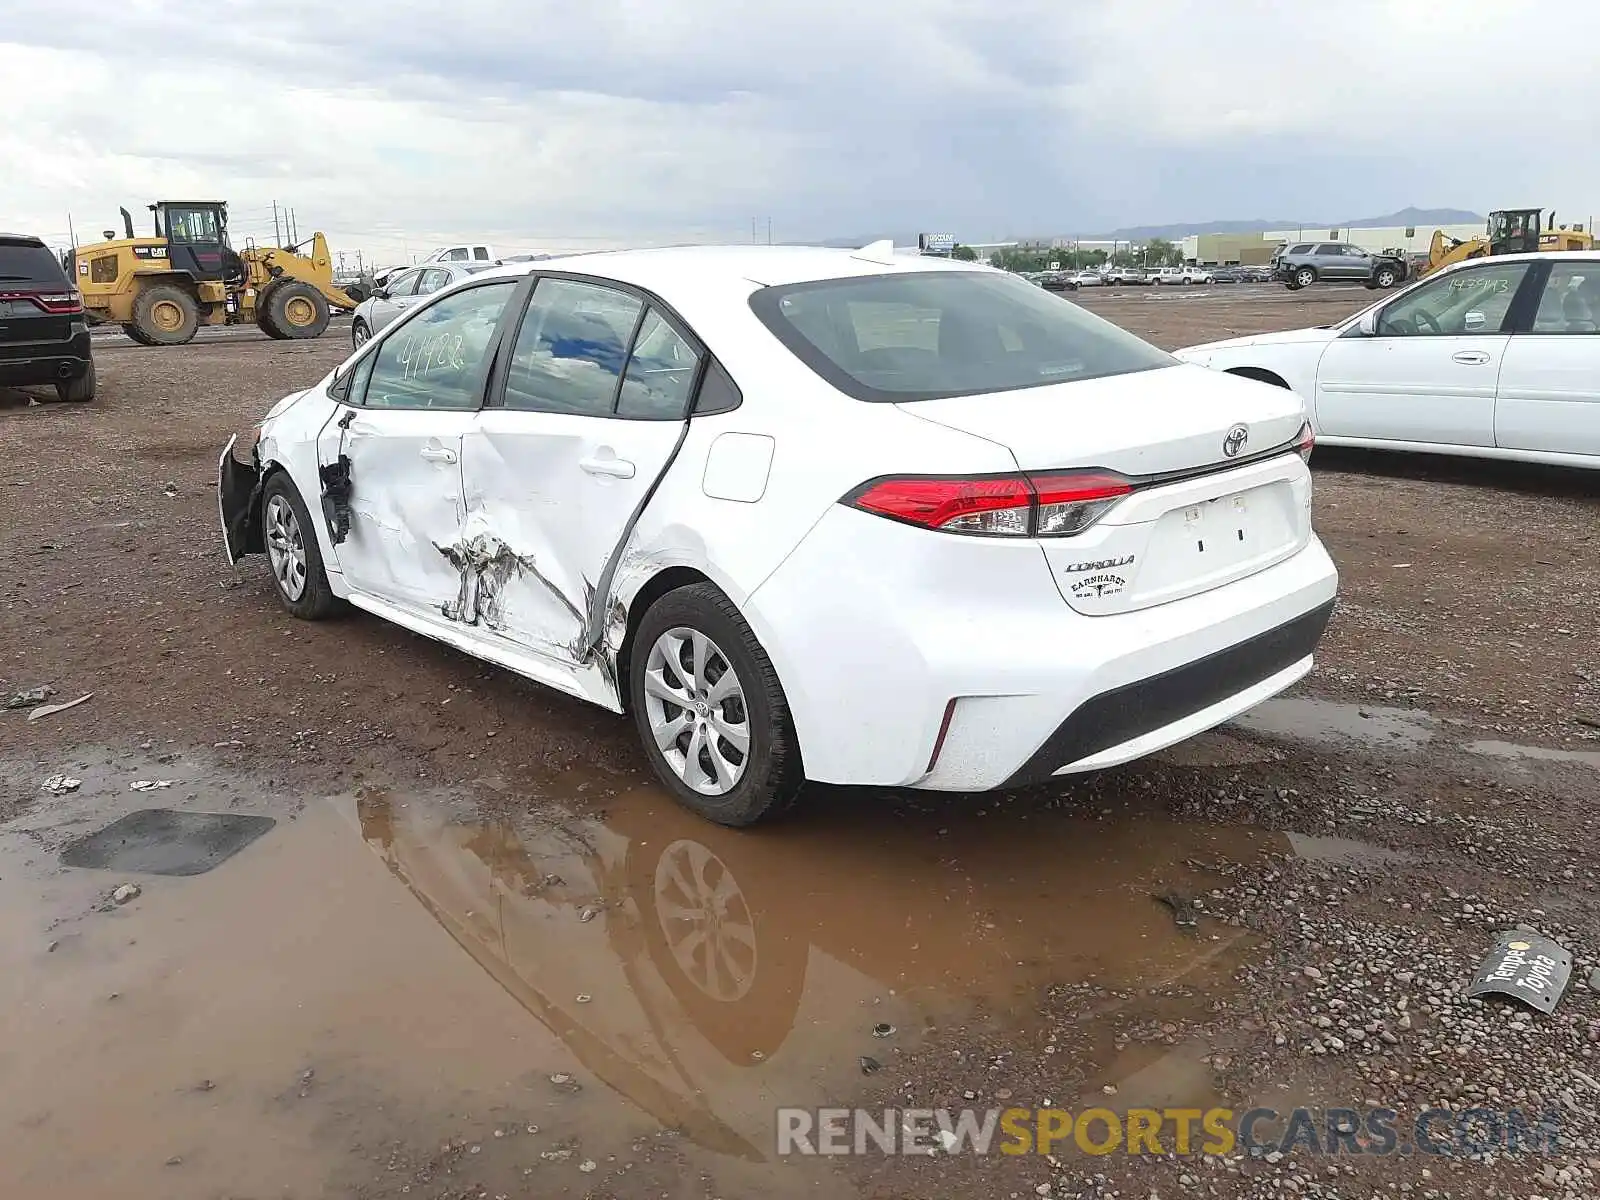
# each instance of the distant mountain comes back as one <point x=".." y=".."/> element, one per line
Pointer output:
<point x="1419" y="217"/>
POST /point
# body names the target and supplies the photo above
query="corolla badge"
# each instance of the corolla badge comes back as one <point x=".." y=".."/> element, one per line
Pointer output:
<point x="1235" y="439"/>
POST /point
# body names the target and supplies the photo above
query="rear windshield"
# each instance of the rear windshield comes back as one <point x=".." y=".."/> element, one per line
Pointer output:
<point x="929" y="334"/>
<point x="28" y="262"/>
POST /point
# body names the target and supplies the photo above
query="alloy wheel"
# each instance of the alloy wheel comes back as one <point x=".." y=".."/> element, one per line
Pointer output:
<point x="286" y="547"/>
<point x="695" y="705"/>
<point x="705" y="920"/>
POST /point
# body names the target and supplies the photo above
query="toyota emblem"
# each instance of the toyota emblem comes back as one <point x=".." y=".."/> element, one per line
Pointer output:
<point x="1235" y="439"/>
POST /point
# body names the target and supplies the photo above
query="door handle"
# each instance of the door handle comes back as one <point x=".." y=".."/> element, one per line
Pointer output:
<point x="1471" y="358"/>
<point x="438" y="454"/>
<point x="617" y="468"/>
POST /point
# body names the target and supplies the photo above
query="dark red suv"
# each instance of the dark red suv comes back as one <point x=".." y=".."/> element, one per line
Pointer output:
<point x="44" y="335"/>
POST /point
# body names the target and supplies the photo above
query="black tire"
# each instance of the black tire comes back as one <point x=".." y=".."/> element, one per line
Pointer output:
<point x="1304" y="277"/>
<point x="166" y="315"/>
<point x="132" y="331"/>
<point x="359" y="333"/>
<point x="79" y="390"/>
<point x="315" y="600"/>
<point x="773" y="773"/>
<point x="1385" y="277"/>
<point x="293" y="310"/>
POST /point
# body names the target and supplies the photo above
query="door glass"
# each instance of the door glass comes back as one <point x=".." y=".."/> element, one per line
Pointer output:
<point x="437" y="358"/>
<point x="193" y="225"/>
<point x="432" y="280"/>
<point x="1471" y="301"/>
<point x="660" y="373"/>
<point x="459" y="254"/>
<point x="571" y="348"/>
<point x="404" y="285"/>
<point x="1571" y="300"/>
<point x="481" y="253"/>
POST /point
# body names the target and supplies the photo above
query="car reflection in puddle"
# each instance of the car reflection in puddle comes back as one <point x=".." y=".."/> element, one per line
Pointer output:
<point x="711" y="975"/>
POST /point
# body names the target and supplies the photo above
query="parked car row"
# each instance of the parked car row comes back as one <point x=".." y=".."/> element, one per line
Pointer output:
<point x="1146" y="277"/>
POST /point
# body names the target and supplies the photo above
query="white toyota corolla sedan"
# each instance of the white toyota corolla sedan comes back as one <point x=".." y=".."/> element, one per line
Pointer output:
<point x="838" y="515"/>
<point x="1493" y="358"/>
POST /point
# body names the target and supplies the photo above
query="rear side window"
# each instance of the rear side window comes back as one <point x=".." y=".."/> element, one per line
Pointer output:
<point x="28" y="261"/>
<point x="1302" y="248"/>
<point x="924" y="335"/>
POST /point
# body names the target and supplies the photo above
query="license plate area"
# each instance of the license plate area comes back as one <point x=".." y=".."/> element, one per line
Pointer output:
<point x="1207" y="543"/>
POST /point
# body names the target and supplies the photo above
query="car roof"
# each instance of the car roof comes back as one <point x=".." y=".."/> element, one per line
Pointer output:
<point x="21" y="237"/>
<point x="764" y="266"/>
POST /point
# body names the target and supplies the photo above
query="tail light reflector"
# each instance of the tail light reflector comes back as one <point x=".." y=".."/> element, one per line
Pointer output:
<point x="1053" y="504"/>
<point x="57" y="303"/>
<point x="1306" y="442"/>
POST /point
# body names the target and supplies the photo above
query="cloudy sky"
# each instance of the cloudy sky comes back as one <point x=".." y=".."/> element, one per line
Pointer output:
<point x="395" y="125"/>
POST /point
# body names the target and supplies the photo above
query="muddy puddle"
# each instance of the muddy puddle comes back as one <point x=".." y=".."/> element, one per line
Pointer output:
<point x="391" y="991"/>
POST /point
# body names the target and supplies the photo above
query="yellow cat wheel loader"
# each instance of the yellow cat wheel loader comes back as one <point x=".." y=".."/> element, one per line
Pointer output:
<point x="162" y="288"/>
<point x="1510" y="231"/>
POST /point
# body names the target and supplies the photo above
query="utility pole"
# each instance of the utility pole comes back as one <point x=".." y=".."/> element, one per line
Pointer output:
<point x="752" y="231"/>
<point x="277" y="237"/>
<point x="769" y="231"/>
<point x="72" y="235"/>
<point x="294" y="230"/>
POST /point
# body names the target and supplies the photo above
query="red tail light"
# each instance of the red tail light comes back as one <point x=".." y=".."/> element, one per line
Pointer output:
<point x="1054" y="504"/>
<point x="56" y="303"/>
<point x="1306" y="442"/>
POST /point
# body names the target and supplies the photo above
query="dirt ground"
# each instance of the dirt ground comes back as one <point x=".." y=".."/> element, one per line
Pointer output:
<point x="473" y="951"/>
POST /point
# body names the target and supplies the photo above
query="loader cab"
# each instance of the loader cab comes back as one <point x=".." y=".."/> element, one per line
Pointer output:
<point x="1515" y="230"/>
<point x="197" y="239"/>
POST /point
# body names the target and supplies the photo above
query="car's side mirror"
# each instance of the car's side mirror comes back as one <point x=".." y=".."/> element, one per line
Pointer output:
<point x="380" y="293"/>
<point x="1368" y="325"/>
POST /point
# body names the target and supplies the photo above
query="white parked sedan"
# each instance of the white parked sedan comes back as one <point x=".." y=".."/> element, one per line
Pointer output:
<point x="829" y="514"/>
<point x="1495" y="358"/>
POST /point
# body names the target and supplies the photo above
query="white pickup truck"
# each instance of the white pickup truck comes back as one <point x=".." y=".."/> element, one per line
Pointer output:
<point x="477" y="252"/>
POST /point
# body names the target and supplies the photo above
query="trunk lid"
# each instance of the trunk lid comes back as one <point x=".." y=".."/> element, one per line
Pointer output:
<point x="1200" y="517"/>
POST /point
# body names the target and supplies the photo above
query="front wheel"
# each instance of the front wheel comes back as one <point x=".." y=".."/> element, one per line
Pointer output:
<point x="293" y="552"/>
<point x="710" y="710"/>
<point x="360" y="334"/>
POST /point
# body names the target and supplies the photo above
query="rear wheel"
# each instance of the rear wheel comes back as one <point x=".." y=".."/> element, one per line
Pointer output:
<point x="79" y="390"/>
<point x="1304" y="277"/>
<point x="294" y="310"/>
<point x="710" y="709"/>
<point x="293" y="552"/>
<point x="165" y="316"/>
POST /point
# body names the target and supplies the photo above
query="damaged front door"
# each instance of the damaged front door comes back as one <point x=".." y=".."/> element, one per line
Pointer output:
<point x="391" y="463"/>
<point x="554" y="469"/>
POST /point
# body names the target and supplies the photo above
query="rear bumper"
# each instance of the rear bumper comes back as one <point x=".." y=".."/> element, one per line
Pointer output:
<point x="880" y="632"/>
<point x="1115" y="726"/>
<point x="45" y="362"/>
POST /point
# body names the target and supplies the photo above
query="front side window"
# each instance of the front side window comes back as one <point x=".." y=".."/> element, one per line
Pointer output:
<point x="922" y="335"/>
<point x="403" y="285"/>
<point x="459" y="254"/>
<point x="197" y="225"/>
<point x="437" y="359"/>
<point x="571" y="348"/>
<point x="432" y="280"/>
<point x="1571" y="300"/>
<point x="1473" y="300"/>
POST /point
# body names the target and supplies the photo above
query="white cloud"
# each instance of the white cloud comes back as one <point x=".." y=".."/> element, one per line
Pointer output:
<point x="396" y="125"/>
